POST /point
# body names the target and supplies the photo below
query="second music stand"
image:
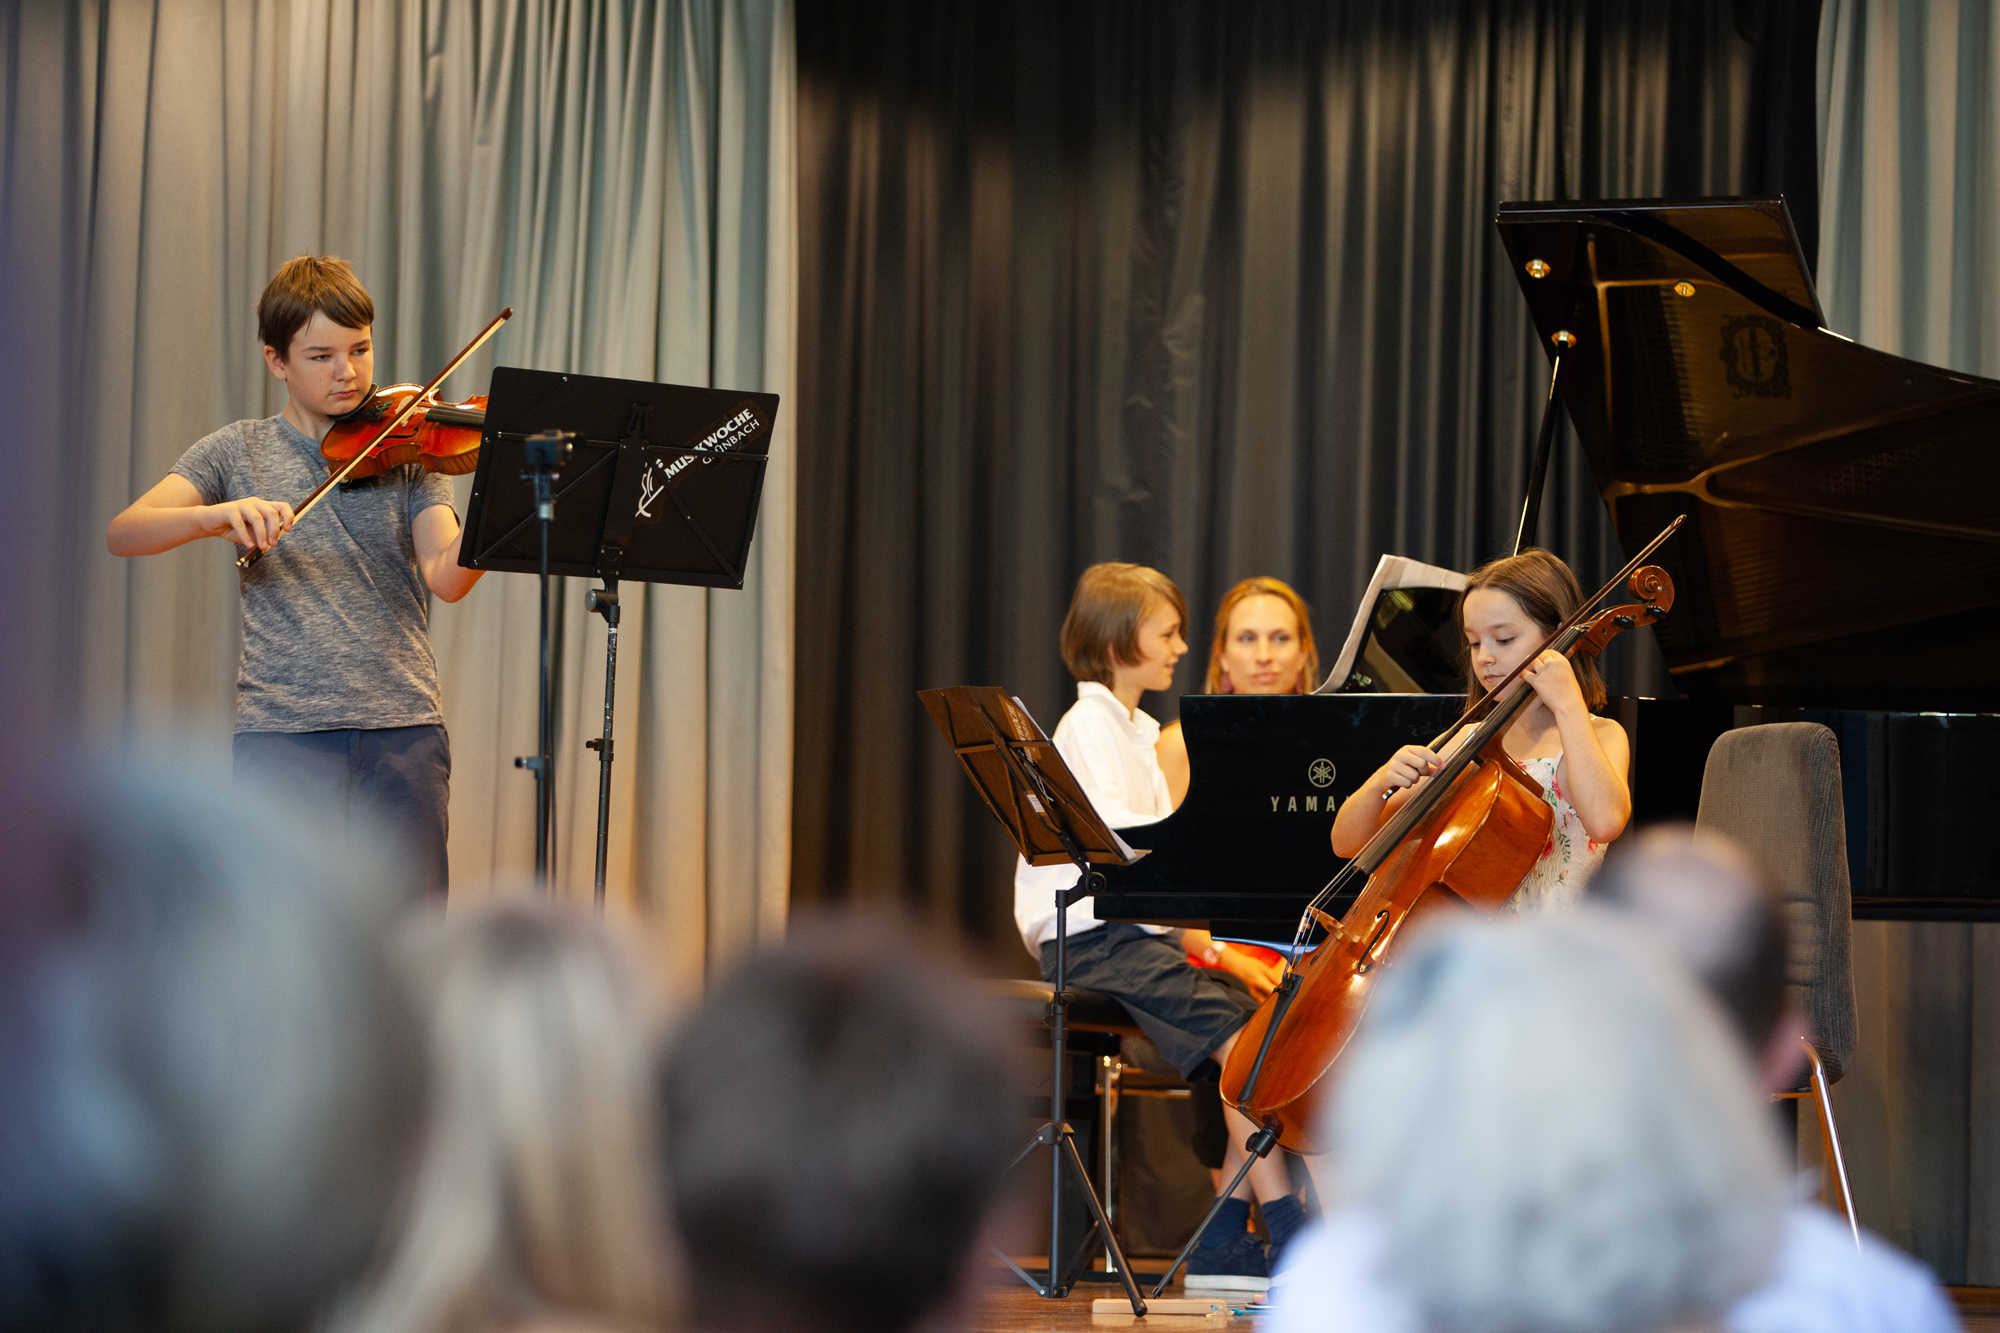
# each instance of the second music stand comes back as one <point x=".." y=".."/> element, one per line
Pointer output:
<point x="640" y="497"/>
<point x="1031" y="791"/>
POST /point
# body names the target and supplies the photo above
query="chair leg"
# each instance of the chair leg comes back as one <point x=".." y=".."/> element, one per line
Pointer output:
<point x="1110" y="1078"/>
<point x="1829" y="1136"/>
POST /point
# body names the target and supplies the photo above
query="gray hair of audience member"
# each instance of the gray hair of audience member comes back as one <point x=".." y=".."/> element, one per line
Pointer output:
<point x="537" y="1189"/>
<point x="838" y="1118"/>
<point x="1715" y="908"/>
<point x="208" y="1089"/>
<point x="1557" y="1132"/>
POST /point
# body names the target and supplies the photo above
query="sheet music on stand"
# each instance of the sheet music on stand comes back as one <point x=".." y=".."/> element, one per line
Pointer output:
<point x="1379" y="667"/>
<point x="975" y="718"/>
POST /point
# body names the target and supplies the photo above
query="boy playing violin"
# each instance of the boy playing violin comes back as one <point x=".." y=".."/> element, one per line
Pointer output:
<point x="337" y="689"/>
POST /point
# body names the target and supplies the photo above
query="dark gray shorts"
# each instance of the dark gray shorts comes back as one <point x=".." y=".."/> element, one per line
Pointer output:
<point x="1186" y="1011"/>
<point x="403" y="772"/>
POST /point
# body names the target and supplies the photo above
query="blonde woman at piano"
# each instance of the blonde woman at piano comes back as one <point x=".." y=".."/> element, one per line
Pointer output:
<point x="1263" y="644"/>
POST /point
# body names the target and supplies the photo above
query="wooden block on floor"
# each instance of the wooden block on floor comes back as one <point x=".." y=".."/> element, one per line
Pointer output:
<point x="1201" y="1307"/>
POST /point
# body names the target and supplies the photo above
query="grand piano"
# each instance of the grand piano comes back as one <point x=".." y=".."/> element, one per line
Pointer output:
<point x="1840" y="563"/>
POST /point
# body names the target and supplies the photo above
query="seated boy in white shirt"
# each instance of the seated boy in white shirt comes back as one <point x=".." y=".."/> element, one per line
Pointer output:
<point x="1121" y="638"/>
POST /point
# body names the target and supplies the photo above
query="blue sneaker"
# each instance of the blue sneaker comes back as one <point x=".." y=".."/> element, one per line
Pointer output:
<point x="1239" y="1265"/>
<point x="1283" y="1219"/>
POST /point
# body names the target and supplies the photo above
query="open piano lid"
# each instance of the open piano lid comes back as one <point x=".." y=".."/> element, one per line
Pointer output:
<point x="1843" y="539"/>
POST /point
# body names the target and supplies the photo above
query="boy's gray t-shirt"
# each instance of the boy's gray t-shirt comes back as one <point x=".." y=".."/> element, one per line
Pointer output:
<point x="336" y="618"/>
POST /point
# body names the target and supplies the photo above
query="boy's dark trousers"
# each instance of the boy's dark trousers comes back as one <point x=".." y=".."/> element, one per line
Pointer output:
<point x="402" y="773"/>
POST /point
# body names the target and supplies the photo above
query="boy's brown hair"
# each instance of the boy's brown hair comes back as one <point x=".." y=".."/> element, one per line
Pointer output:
<point x="301" y="286"/>
<point x="1543" y="586"/>
<point x="1101" y="630"/>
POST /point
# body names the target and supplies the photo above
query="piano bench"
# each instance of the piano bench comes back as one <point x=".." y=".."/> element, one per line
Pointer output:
<point x="1089" y="1010"/>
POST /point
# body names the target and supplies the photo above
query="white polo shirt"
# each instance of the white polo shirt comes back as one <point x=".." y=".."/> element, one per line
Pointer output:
<point x="1111" y="753"/>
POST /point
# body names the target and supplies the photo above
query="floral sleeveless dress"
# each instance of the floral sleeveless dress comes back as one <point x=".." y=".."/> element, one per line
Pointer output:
<point x="1570" y="857"/>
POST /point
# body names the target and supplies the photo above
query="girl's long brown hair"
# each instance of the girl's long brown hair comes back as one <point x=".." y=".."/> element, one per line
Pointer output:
<point x="1543" y="586"/>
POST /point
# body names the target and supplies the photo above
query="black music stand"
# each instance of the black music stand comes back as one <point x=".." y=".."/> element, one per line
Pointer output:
<point x="640" y="497"/>
<point x="1031" y="791"/>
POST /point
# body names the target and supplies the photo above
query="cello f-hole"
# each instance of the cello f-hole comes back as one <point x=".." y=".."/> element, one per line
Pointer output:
<point x="1381" y="924"/>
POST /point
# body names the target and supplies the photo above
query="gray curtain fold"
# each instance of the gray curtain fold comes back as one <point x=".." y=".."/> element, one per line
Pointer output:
<point x="1212" y="287"/>
<point x="1909" y="114"/>
<point x="621" y="175"/>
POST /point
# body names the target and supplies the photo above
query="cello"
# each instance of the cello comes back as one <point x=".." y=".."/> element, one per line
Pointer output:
<point x="1462" y="842"/>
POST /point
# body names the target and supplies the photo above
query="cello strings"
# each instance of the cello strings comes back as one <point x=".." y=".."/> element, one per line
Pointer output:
<point x="1422" y="803"/>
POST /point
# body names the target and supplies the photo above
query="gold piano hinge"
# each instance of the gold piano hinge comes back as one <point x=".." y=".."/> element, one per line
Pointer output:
<point x="1701" y="666"/>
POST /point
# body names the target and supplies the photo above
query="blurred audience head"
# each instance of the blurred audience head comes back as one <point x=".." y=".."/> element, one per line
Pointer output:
<point x="838" y="1120"/>
<point x="536" y="1197"/>
<point x="1712" y="905"/>
<point x="208" y="1091"/>
<point x="1558" y="1133"/>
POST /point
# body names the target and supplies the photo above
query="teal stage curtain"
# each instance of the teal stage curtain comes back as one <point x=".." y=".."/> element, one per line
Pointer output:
<point x="620" y="173"/>
<point x="1909" y="261"/>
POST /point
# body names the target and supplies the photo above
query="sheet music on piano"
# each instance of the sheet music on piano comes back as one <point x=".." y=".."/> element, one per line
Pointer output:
<point x="1398" y="644"/>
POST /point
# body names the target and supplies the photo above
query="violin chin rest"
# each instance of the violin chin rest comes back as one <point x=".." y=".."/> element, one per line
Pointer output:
<point x="361" y="410"/>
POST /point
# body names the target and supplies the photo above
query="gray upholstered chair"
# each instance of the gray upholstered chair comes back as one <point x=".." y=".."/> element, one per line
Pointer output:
<point x="1776" y="789"/>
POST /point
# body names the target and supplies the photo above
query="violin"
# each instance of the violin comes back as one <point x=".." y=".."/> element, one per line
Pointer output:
<point x="444" y="437"/>
<point x="1463" y="842"/>
<point x="395" y="426"/>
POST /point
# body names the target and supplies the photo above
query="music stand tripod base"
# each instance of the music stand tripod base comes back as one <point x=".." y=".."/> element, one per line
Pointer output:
<point x="1025" y="783"/>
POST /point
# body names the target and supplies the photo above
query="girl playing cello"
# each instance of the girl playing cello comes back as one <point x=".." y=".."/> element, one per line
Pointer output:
<point x="1509" y="607"/>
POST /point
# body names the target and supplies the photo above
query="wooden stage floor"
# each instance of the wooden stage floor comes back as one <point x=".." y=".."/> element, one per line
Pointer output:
<point x="1007" y="1306"/>
<point x="1979" y="1307"/>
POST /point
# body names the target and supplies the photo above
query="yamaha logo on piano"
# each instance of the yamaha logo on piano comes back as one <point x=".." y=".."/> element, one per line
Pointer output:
<point x="1320" y="773"/>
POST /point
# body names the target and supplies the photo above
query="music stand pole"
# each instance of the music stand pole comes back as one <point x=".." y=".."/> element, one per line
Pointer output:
<point x="604" y="601"/>
<point x="544" y="455"/>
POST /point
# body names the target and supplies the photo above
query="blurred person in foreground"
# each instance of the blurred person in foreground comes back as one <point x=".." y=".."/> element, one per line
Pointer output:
<point x="838" y="1121"/>
<point x="1707" y="899"/>
<point x="535" y="1203"/>
<point x="208" y="1087"/>
<point x="1541" y="1126"/>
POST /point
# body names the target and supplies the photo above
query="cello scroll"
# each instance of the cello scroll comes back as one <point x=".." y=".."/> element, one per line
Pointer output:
<point x="1652" y="586"/>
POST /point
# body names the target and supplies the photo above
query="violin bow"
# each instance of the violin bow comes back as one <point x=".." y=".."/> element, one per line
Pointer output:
<point x="254" y="554"/>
